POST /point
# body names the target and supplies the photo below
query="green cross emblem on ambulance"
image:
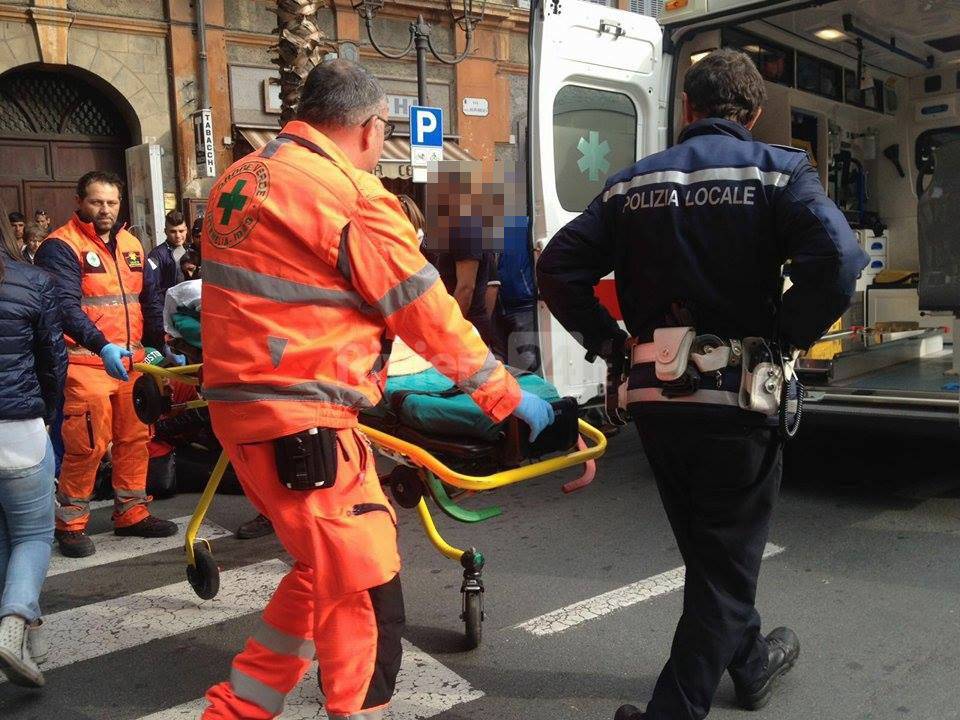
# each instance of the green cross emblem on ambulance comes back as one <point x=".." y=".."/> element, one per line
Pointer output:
<point x="593" y="156"/>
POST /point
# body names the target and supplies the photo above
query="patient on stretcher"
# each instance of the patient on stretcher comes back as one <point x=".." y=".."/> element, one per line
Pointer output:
<point x="419" y="404"/>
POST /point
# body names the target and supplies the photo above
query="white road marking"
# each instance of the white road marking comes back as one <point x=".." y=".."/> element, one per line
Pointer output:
<point x="425" y="688"/>
<point x="111" y="548"/>
<point x="570" y="616"/>
<point x="90" y="631"/>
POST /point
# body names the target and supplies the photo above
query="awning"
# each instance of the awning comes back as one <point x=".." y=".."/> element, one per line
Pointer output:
<point x="394" y="162"/>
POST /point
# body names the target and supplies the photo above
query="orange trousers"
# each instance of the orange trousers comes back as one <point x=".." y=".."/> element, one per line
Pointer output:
<point x="341" y="602"/>
<point x="97" y="410"/>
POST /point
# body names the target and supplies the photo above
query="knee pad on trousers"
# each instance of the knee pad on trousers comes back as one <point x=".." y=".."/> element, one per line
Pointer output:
<point x="387" y="602"/>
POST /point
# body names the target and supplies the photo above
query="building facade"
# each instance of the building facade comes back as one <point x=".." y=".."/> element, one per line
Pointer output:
<point x="92" y="83"/>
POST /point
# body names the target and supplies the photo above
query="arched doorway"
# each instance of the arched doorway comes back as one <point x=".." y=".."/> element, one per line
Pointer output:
<point x="55" y="125"/>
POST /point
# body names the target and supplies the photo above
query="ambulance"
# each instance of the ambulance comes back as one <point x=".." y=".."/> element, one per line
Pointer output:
<point x="870" y="89"/>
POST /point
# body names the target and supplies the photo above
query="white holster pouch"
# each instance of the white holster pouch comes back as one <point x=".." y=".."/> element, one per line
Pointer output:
<point x="672" y="347"/>
<point x="760" y="388"/>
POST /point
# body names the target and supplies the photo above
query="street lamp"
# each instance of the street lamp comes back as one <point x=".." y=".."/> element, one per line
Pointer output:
<point x="466" y="19"/>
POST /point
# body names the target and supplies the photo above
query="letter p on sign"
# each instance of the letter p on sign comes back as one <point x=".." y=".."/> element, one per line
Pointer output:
<point x="427" y="126"/>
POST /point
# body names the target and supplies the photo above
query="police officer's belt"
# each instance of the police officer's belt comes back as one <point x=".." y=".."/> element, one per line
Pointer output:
<point x="681" y="366"/>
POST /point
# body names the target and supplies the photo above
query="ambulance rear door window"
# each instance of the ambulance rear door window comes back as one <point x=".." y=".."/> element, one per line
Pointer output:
<point x="594" y="136"/>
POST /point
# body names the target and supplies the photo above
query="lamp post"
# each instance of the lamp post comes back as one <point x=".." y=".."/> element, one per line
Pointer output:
<point x="466" y="19"/>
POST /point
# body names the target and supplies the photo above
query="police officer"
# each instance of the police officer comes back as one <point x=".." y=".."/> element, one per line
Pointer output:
<point x="697" y="236"/>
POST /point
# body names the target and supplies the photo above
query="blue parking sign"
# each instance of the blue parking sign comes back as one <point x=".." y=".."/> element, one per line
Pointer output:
<point x="426" y="126"/>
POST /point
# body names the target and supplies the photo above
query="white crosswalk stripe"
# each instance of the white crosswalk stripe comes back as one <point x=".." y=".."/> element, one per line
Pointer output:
<point x="570" y="616"/>
<point x="111" y="548"/>
<point x="424" y="688"/>
<point x="89" y="631"/>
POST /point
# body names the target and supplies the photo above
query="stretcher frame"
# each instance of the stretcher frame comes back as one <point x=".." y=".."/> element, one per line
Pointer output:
<point x="418" y="475"/>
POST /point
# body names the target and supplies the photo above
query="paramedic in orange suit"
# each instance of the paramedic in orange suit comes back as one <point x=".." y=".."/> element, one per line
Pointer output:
<point x="310" y="267"/>
<point x="98" y="269"/>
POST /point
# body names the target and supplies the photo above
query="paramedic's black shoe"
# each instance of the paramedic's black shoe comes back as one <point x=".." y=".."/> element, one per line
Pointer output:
<point x="150" y="527"/>
<point x="628" y="712"/>
<point x="260" y="526"/>
<point x="74" y="543"/>
<point x="783" y="649"/>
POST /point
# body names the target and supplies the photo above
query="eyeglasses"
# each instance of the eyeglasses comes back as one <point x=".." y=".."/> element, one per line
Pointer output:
<point x="387" y="125"/>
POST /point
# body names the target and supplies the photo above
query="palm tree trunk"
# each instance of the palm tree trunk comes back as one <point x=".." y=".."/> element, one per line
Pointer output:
<point x="301" y="48"/>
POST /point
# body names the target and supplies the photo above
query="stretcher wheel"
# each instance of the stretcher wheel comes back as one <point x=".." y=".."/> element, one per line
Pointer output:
<point x="149" y="403"/>
<point x="204" y="576"/>
<point x="406" y="486"/>
<point x="473" y="617"/>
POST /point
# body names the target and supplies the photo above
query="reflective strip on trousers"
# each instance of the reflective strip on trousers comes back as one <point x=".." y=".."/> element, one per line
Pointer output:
<point x="405" y="292"/>
<point x="259" y="693"/>
<point x="71" y="508"/>
<point x="101" y="300"/>
<point x="362" y="715"/>
<point x="128" y="499"/>
<point x="308" y="391"/>
<point x="282" y="643"/>
<point x="678" y="177"/>
<point x="476" y="381"/>
<point x="700" y="397"/>
<point x="251" y="282"/>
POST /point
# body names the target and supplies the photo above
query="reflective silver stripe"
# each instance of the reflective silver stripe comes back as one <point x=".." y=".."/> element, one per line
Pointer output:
<point x="101" y="300"/>
<point x="737" y="174"/>
<point x="475" y="381"/>
<point x="343" y="255"/>
<point x="72" y="508"/>
<point x="270" y="149"/>
<point x="257" y="692"/>
<point x="301" y="392"/>
<point x="405" y="292"/>
<point x="251" y="282"/>
<point x="362" y="715"/>
<point x="700" y="397"/>
<point x="129" y="498"/>
<point x="283" y="644"/>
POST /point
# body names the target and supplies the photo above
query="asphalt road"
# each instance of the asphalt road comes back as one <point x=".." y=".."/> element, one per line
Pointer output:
<point x="865" y="570"/>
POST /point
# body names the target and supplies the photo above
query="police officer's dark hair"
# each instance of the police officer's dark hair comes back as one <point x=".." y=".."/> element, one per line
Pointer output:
<point x="725" y="84"/>
<point x="98" y="176"/>
<point x="339" y="93"/>
<point x="174" y="218"/>
<point x="16" y="217"/>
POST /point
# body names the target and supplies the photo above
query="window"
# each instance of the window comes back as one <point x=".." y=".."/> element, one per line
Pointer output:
<point x="819" y="77"/>
<point x="775" y="62"/>
<point x="594" y="136"/>
<point x="871" y="98"/>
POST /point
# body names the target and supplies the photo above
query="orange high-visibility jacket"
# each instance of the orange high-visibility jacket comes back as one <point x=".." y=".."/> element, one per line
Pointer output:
<point x="110" y="287"/>
<point x="310" y="267"/>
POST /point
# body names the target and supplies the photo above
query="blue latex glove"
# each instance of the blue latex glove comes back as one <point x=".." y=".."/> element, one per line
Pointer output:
<point x="112" y="356"/>
<point x="172" y="357"/>
<point x="535" y="412"/>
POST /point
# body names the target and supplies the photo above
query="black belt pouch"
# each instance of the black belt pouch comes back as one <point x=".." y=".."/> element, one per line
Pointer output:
<point x="307" y="460"/>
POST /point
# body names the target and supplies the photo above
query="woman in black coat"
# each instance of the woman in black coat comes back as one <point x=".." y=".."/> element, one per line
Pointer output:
<point x="33" y="367"/>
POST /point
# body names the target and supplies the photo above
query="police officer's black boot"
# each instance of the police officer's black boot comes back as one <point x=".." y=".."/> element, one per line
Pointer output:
<point x="783" y="649"/>
<point x="628" y="712"/>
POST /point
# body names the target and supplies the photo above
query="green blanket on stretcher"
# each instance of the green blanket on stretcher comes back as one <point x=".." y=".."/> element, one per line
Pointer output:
<point x="452" y="416"/>
<point x="187" y="322"/>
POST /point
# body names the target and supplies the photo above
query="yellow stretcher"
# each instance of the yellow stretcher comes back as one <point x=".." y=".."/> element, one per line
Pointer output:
<point x="418" y="475"/>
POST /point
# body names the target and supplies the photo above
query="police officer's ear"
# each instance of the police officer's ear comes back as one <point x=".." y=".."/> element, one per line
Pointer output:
<point x="689" y="114"/>
<point x="753" y="121"/>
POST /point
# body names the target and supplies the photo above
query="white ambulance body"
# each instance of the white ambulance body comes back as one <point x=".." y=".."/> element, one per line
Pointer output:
<point x="870" y="88"/>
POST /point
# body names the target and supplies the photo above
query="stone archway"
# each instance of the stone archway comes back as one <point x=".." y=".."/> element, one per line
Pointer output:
<point x="55" y="125"/>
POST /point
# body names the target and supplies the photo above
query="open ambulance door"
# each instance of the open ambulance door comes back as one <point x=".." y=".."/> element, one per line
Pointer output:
<point x="596" y="106"/>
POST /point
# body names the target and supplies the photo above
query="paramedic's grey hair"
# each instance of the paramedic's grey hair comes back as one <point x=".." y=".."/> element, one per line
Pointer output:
<point x="339" y="93"/>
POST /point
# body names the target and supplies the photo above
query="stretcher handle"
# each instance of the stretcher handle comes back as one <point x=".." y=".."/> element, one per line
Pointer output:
<point x="497" y="480"/>
<point x="186" y="374"/>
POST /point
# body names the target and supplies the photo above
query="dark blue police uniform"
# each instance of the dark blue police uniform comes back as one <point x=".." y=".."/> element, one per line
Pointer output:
<point x="697" y="236"/>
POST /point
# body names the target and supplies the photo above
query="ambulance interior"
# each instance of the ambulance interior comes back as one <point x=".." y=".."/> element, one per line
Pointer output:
<point x="871" y="90"/>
